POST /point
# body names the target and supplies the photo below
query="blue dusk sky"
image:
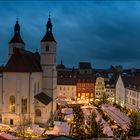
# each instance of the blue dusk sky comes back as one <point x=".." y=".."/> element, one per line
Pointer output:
<point x="102" y="32"/>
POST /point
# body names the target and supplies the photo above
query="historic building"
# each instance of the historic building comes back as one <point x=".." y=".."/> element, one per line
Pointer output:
<point x="128" y="91"/>
<point x="28" y="81"/>
<point x="66" y="82"/>
<point x="85" y="82"/>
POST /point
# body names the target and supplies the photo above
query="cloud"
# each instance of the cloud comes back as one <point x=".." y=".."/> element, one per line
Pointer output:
<point x="103" y="32"/>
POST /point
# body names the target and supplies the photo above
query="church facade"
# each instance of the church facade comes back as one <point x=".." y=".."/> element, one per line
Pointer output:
<point x="28" y="81"/>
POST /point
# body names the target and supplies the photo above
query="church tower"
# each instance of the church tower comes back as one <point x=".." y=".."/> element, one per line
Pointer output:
<point x="16" y="41"/>
<point x="48" y="63"/>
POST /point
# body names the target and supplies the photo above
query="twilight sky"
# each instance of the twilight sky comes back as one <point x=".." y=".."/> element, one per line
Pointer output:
<point x="102" y="32"/>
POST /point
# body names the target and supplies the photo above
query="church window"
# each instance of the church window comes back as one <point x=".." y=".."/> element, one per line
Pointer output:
<point x="24" y="105"/>
<point x="34" y="88"/>
<point x="38" y="87"/>
<point x="12" y="104"/>
<point x="38" y="112"/>
<point x="47" y="48"/>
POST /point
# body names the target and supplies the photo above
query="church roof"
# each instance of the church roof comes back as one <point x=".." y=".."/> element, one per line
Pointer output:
<point x="16" y="38"/>
<point x="43" y="98"/>
<point x="23" y="61"/>
<point x="49" y="35"/>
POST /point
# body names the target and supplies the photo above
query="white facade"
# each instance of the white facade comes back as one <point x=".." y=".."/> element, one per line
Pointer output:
<point x="120" y="92"/>
<point x="48" y="63"/>
<point x="42" y="112"/>
<point x="20" y="86"/>
<point x="133" y="99"/>
<point x="68" y="91"/>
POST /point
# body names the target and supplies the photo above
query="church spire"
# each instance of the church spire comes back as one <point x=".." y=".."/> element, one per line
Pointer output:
<point x="49" y="24"/>
<point x="49" y="35"/>
<point x="17" y="27"/>
<point x="16" y="38"/>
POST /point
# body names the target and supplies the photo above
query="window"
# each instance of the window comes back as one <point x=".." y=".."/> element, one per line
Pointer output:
<point x="38" y="87"/>
<point x="60" y="88"/>
<point x="12" y="104"/>
<point x="38" y="112"/>
<point x="34" y="88"/>
<point x="79" y="95"/>
<point x="87" y="94"/>
<point x="47" y="48"/>
<point x="133" y="102"/>
<point x="11" y="122"/>
<point x="24" y="105"/>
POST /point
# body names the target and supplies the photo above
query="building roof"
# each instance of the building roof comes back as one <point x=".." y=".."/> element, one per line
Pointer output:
<point x="85" y="65"/>
<point x="66" y="77"/>
<point x="16" y="38"/>
<point x="61" y="65"/>
<point x="49" y="35"/>
<point x="131" y="82"/>
<point x="43" y="98"/>
<point x="23" y="61"/>
<point x="112" y="69"/>
<point x="85" y="78"/>
<point x="66" y="81"/>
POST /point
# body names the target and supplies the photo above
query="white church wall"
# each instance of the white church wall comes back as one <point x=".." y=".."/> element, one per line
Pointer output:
<point x="20" y="85"/>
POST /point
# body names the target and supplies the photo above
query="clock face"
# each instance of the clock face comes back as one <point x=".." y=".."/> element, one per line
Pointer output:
<point x="47" y="48"/>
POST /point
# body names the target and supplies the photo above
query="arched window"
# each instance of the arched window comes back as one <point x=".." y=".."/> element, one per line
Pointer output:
<point x="12" y="104"/>
<point x="38" y="112"/>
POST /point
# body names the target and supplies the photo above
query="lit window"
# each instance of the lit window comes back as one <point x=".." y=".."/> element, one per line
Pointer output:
<point x="87" y="94"/>
<point x="24" y="105"/>
<point x="12" y="104"/>
<point x="79" y="95"/>
<point x="38" y="112"/>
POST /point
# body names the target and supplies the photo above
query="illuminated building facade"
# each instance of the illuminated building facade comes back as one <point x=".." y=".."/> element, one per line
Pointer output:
<point x="28" y="81"/>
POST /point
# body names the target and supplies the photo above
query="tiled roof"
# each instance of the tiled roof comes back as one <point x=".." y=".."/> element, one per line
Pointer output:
<point x="23" y="61"/>
<point x="43" y="98"/>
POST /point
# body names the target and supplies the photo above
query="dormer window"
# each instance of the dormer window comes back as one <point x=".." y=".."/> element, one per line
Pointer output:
<point x="47" y="48"/>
